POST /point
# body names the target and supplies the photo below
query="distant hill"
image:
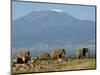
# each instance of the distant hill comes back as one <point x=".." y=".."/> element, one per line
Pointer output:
<point x="52" y="28"/>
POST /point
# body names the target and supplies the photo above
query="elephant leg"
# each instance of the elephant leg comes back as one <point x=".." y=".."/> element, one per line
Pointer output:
<point x="87" y="55"/>
<point x="53" y="58"/>
<point x="58" y="56"/>
<point x="79" y="56"/>
<point x="83" y="57"/>
<point x="19" y="60"/>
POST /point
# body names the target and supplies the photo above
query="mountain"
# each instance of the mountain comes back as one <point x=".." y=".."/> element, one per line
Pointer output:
<point x="49" y="26"/>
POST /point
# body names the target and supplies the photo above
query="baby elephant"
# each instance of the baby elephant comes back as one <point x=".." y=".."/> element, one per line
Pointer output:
<point x="82" y="53"/>
<point x="34" y="59"/>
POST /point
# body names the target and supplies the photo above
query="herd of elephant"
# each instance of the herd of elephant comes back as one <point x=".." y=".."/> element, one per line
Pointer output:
<point x="56" y="54"/>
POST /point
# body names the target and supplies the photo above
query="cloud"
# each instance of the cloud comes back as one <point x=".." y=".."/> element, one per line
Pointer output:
<point x="69" y="47"/>
<point x="38" y="9"/>
<point x="40" y="46"/>
<point x="61" y="41"/>
<point x="14" y="50"/>
<point x="57" y="10"/>
<point x="92" y="41"/>
<point x="86" y="45"/>
<point x="48" y="47"/>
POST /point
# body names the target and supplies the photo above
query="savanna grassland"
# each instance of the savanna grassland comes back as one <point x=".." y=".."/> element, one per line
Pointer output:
<point x="51" y="66"/>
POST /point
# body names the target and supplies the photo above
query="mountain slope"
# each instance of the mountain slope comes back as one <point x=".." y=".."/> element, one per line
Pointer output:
<point x="49" y="26"/>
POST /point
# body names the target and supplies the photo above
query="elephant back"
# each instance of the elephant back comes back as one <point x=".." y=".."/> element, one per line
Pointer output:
<point x="79" y="50"/>
<point x="60" y="50"/>
<point x="23" y="54"/>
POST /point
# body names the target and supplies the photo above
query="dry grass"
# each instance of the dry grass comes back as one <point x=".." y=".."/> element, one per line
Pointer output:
<point x="71" y="64"/>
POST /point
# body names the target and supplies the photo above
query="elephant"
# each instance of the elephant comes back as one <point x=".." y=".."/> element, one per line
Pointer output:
<point x="23" y="57"/>
<point x="82" y="53"/>
<point x="59" y="54"/>
<point x="44" y="56"/>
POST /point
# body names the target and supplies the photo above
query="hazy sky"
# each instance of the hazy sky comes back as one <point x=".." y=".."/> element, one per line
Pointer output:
<point x="20" y="9"/>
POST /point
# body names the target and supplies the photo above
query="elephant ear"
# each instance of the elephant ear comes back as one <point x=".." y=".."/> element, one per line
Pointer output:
<point x="87" y="49"/>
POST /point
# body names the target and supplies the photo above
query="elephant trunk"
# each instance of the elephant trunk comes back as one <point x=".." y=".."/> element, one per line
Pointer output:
<point x="64" y="55"/>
